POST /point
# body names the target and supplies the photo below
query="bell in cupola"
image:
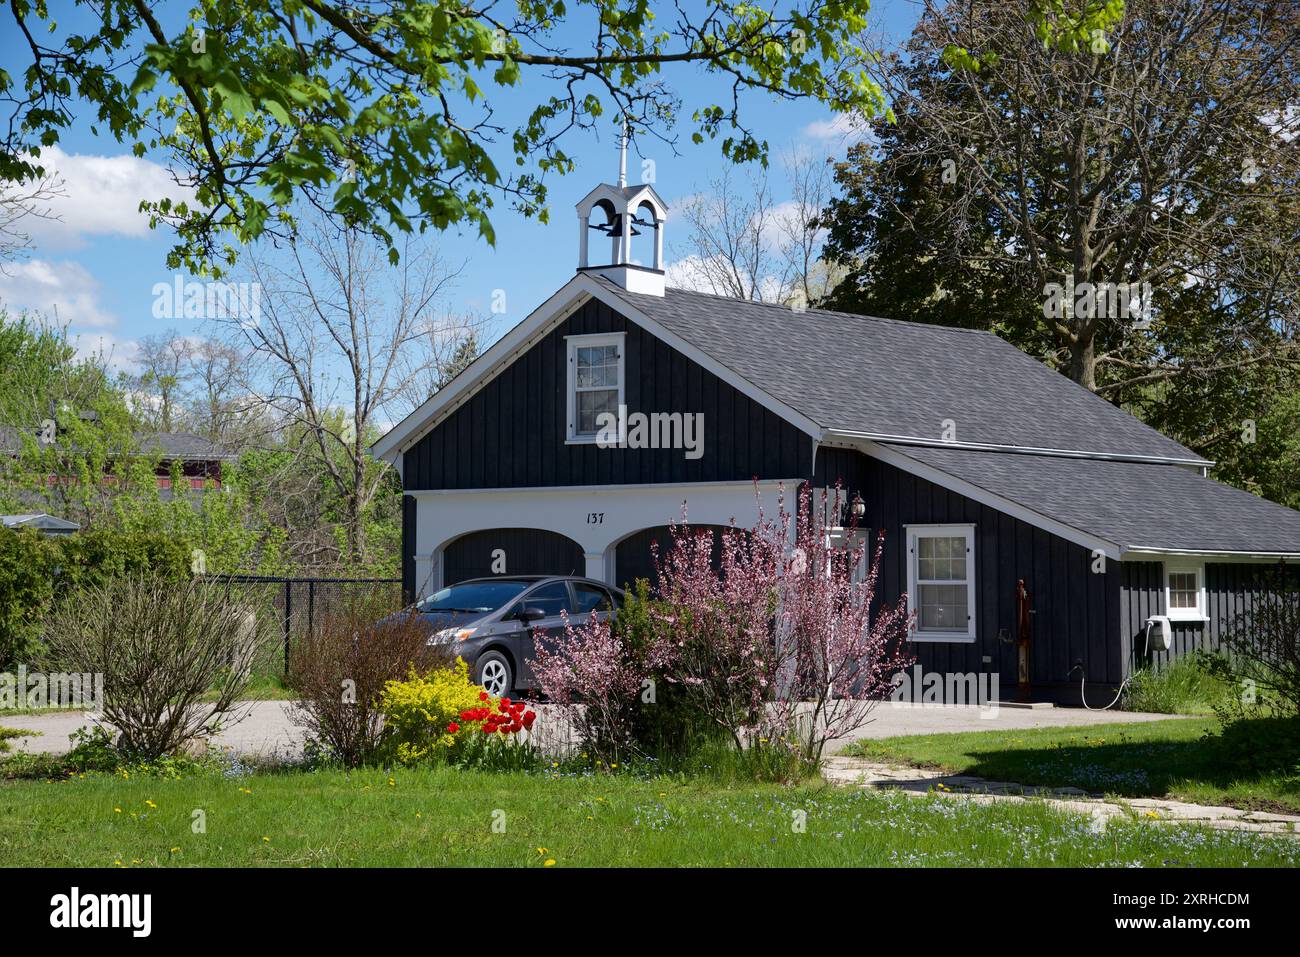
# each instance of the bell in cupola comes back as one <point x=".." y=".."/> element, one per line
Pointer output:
<point x="622" y="213"/>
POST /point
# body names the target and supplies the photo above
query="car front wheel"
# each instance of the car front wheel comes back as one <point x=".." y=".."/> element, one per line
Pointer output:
<point x="493" y="673"/>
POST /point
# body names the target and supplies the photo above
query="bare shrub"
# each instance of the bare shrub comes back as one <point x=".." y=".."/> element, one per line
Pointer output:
<point x="175" y="656"/>
<point x="1263" y="647"/>
<point x="340" y="668"/>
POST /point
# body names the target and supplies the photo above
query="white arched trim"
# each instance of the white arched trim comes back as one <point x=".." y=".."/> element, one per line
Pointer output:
<point x="597" y="517"/>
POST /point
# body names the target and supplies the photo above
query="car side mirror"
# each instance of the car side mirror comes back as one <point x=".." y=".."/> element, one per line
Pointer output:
<point x="530" y="613"/>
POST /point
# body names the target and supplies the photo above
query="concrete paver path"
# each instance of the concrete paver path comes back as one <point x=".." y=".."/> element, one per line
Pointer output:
<point x="858" y="772"/>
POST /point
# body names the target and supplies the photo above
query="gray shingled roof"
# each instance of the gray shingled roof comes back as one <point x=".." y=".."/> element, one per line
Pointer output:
<point x="1134" y="505"/>
<point x="889" y="378"/>
<point x="176" y="446"/>
<point x="886" y="377"/>
<point x="187" y="446"/>
<point x="39" y="520"/>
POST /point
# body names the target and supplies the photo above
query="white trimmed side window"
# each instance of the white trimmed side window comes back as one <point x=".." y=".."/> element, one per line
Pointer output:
<point x="596" y="382"/>
<point x="941" y="581"/>
<point x="1185" y="591"/>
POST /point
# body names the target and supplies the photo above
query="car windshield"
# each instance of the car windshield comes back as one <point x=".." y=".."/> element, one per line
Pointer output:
<point x="474" y="596"/>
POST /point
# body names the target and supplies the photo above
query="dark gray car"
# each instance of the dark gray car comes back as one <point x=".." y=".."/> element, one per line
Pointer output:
<point x="493" y="623"/>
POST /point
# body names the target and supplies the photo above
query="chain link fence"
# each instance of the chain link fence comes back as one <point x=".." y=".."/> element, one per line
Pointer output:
<point x="297" y="605"/>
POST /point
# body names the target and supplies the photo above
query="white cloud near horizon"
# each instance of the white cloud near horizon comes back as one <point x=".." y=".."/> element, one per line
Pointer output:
<point x="690" y="273"/>
<point x="63" y="291"/>
<point x="120" y="355"/>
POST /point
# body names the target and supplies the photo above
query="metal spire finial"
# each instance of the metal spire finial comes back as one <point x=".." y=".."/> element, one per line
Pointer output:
<point x="622" y="157"/>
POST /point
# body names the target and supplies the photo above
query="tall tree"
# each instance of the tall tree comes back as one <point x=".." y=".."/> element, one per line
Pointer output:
<point x="219" y="408"/>
<point x="741" y="242"/>
<point x="1161" y="155"/>
<point x="1157" y="160"/>
<point x="164" y="362"/>
<point x="386" y="113"/>
<point x="67" y="435"/>
<point x="337" y="339"/>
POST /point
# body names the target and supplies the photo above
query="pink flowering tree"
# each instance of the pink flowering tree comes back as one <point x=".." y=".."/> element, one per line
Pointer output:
<point x="838" y="646"/>
<point x="594" y="677"/>
<point x="781" y="640"/>
<point x="786" y="642"/>
<point x="718" y="621"/>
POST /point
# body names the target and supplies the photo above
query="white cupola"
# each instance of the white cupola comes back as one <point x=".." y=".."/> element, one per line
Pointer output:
<point x="622" y="213"/>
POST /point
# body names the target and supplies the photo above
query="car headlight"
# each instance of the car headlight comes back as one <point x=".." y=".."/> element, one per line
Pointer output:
<point x="448" y="635"/>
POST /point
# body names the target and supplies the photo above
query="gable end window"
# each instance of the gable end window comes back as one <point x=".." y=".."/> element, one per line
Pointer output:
<point x="1185" y="591"/>
<point x="596" y="383"/>
<point x="941" y="582"/>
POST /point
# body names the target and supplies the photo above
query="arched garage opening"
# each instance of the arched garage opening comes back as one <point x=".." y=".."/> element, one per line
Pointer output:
<point x="633" y="557"/>
<point x="511" y="551"/>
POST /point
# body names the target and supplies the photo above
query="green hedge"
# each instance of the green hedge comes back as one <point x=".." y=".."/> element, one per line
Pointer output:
<point x="37" y="570"/>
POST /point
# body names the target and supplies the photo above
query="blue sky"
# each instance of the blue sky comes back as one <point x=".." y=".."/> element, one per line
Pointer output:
<point x="98" y="266"/>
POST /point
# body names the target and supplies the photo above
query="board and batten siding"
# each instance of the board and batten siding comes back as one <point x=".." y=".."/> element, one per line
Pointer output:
<point x="1232" y="590"/>
<point x="1076" y="610"/>
<point x="511" y="432"/>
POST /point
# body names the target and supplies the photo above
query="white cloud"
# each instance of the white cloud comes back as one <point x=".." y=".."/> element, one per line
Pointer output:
<point x="838" y="127"/>
<point x="99" y="196"/>
<point x="64" y="289"/>
<point x="117" y="354"/>
<point x="692" y="273"/>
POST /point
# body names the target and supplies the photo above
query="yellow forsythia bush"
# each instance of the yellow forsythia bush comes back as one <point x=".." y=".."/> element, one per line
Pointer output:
<point x="422" y="714"/>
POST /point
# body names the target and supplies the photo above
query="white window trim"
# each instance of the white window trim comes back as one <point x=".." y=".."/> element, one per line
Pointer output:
<point x="1186" y="614"/>
<point x="572" y="437"/>
<point x="946" y="531"/>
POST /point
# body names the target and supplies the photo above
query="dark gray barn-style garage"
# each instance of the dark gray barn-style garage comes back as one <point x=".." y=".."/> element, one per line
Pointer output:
<point x="984" y="469"/>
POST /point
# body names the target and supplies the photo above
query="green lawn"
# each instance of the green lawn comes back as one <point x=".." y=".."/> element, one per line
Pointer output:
<point x="264" y="686"/>
<point x="1173" y="758"/>
<point x="446" y="816"/>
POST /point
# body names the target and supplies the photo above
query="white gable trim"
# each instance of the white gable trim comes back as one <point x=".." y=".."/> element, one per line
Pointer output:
<point x="1093" y="543"/>
<point x="572" y="295"/>
<point x="505" y="350"/>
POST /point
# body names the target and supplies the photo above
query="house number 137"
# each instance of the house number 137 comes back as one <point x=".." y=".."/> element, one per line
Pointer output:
<point x="595" y="518"/>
